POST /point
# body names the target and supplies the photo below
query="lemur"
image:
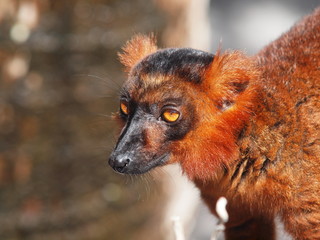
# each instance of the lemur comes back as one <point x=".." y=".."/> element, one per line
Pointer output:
<point x="247" y="128"/>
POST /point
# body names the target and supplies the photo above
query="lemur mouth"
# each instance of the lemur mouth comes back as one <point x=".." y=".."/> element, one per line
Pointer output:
<point x="128" y="165"/>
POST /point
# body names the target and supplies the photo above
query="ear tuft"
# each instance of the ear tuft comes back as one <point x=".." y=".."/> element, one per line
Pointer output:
<point x="230" y="75"/>
<point x="136" y="49"/>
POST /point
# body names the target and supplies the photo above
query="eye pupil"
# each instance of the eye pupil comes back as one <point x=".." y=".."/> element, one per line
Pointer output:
<point x="170" y="115"/>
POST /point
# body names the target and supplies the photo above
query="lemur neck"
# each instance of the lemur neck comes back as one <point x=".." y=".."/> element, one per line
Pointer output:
<point x="261" y="143"/>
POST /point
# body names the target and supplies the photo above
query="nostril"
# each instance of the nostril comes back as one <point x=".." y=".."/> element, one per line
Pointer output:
<point x="126" y="161"/>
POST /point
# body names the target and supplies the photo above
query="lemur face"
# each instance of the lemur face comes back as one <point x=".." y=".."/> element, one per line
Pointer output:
<point x="156" y="109"/>
<point x="181" y="105"/>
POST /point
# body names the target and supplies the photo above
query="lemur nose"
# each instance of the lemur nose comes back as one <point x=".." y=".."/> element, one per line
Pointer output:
<point x="119" y="163"/>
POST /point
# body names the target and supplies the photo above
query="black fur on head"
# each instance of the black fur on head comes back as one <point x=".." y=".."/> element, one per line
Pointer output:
<point x="185" y="63"/>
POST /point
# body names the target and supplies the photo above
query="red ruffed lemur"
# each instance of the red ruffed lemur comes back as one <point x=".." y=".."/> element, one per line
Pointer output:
<point x="247" y="128"/>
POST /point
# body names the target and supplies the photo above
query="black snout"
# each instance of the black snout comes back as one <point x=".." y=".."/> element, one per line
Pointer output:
<point x="120" y="163"/>
<point x="130" y="156"/>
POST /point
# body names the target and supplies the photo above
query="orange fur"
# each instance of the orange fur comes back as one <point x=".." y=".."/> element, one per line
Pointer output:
<point x="277" y="171"/>
<point x="136" y="49"/>
<point x="211" y="146"/>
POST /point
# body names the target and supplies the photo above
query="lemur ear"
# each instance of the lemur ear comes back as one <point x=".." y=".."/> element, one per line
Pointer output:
<point x="136" y="49"/>
<point x="228" y="78"/>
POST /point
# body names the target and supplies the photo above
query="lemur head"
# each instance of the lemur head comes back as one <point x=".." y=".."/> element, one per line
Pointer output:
<point x="181" y="105"/>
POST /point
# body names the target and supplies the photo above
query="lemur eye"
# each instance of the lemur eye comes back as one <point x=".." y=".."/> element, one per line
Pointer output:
<point x="124" y="107"/>
<point x="170" y="115"/>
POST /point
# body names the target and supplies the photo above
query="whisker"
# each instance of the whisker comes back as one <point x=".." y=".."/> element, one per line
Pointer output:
<point x="147" y="178"/>
<point x="109" y="116"/>
<point x="113" y="97"/>
<point x="108" y="82"/>
<point x="105" y="80"/>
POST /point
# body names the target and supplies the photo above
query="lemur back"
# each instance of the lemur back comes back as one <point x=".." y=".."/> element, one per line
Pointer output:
<point x="247" y="128"/>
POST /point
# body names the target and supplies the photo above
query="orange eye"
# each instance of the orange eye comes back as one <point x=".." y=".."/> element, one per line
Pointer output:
<point x="124" y="108"/>
<point x="170" y="115"/>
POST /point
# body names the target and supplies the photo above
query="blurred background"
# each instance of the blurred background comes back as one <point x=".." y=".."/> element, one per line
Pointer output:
<point x="59" y="82"/>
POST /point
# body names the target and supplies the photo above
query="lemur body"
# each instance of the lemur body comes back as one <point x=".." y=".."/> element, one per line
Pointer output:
<point x="240" y="127"/>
